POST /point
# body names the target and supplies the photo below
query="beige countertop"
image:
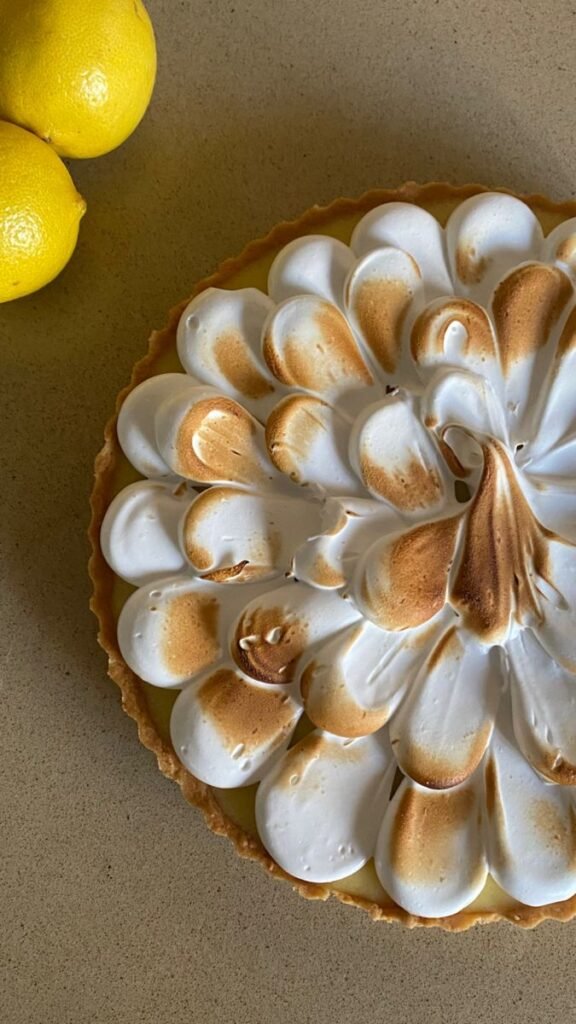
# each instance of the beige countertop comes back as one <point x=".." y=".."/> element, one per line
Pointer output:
<point x="116" y="903"/>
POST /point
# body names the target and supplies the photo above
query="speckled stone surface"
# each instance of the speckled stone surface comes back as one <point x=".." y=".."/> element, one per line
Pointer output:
<point x="117" y="906"/>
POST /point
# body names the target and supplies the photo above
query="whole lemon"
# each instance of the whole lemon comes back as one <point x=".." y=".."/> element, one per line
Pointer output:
<point x="40" y="213"/>
<point x="78" y="73"/>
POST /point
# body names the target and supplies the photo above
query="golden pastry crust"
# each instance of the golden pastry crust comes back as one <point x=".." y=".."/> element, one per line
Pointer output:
<point x="131" y="687"/>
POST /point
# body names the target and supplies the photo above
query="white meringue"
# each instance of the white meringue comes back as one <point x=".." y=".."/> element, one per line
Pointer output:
<point x="136" y="419"/>
<point x="430" y="851"/>
<point x="212" y="727"/>
<point x="415" y="231"/>
<point x="140" y="530"/>
<point x="313" y="265"/>
<point x="317" y="809"/>
<point x="219" y="342"/>
<point x="386" y="541"/>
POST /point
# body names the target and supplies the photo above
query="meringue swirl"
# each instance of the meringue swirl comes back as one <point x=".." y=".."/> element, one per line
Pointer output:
<point x="359" y="518"/>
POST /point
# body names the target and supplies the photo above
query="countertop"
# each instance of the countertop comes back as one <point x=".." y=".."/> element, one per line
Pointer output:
<point x="116" y="903"/>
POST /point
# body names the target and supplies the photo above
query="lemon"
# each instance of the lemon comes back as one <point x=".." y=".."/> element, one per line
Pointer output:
<point x="40" y="213"/>
<point x="78" y="73"/>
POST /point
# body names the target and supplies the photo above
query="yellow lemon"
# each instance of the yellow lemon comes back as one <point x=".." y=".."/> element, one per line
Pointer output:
<point x="40" y="213"/>
<point x="78" y="73"/>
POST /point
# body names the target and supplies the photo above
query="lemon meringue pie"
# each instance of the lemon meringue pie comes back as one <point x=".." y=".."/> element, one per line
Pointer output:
<point x="334" y="553"/>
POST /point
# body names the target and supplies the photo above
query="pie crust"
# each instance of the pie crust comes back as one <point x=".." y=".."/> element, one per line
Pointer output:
<point x="440" y="199"/>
